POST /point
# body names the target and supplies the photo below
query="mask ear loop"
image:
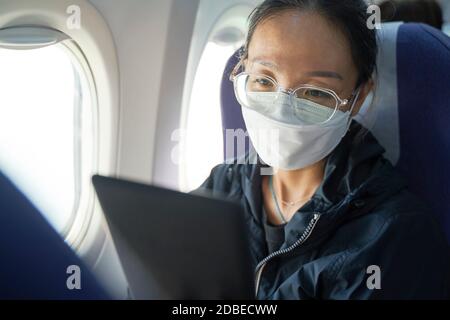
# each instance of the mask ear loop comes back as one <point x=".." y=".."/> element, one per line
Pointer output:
<point x="356" y="97"/>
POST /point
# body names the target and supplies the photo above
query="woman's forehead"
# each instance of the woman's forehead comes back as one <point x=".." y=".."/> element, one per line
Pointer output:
<point x="300" y="40"/>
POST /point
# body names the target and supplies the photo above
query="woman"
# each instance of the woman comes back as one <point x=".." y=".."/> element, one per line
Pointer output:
<point x="335" y="220"/>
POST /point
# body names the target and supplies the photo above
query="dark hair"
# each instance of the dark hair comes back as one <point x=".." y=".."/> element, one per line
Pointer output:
<point x="429" y="12"/>
<point x="349" y="15"/>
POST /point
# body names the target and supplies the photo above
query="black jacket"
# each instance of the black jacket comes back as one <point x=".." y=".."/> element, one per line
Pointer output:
<point x="363" y="235"/>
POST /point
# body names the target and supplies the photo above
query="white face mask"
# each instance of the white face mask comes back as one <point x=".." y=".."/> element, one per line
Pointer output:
<point x="283" y="141"/>
<point x="277" y="107"/>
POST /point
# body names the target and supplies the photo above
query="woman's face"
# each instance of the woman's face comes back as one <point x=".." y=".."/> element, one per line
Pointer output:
<point x="298" y="48"/>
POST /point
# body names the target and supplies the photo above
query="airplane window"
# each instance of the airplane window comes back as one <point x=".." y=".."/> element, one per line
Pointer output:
<point x="204" y="144"/>
<point x="44" y="112"/>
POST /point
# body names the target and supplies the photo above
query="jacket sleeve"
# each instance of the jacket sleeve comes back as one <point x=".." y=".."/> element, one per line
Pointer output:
<point x="218" y="182"/>
<point x="407" y="259"/>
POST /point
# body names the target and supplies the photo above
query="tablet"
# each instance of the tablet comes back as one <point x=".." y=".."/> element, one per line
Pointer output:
<point x="174" y="245"/>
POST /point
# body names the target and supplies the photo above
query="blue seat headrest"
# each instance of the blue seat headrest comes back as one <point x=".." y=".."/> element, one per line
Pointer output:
<point x="423" y="68"/>
<point x="34" y="258"/>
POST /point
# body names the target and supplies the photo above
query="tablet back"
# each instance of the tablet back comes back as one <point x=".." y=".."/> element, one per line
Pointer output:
<point x="174" y="245"/>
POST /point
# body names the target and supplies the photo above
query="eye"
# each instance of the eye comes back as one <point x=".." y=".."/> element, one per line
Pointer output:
<point x="263" y="82"/>
<point x="260" y="84"/>
<point x="312" y="93"/>
<point x="318" y="96"/>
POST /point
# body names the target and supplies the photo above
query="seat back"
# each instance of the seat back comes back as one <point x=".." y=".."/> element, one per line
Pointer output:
<point x="423" y="68"/>
<point x="35" y="260"/>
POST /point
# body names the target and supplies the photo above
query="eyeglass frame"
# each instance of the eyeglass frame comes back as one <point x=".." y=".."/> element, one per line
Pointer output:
<point x="291" y="92"/>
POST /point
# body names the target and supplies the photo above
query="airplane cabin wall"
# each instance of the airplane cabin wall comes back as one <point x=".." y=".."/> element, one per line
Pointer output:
<point x="159" y="44"/>
<point x="141" y="30"/>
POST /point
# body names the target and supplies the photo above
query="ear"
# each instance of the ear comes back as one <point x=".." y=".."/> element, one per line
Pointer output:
<point x="363" y="93"/>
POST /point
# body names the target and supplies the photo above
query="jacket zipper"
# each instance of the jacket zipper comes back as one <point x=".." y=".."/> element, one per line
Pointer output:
<point x="305" y="235"/>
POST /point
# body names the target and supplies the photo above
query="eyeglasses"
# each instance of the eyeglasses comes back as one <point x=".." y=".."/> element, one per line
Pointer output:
<point x="259" y="92"/>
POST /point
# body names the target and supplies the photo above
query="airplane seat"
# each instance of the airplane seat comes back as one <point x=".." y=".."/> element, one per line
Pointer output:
<point x="410" y="112"/>
<point x="34" y="258"/>
<point x="230" y="108"/>
<point x="423" y="68"/>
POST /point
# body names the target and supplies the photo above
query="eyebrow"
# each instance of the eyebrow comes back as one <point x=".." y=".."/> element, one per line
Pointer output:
<point x="321" y="74"/>
<point x="265" y="63"/>
<point x="325" y="74"/>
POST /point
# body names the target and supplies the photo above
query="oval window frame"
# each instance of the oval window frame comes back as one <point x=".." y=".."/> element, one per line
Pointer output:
<point x="34" y="37"/>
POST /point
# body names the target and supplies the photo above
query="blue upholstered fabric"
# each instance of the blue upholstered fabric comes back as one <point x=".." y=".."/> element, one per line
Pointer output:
<point x="422" y="92"/>
<point x="33" y="257"/>
<point x="231" y="110"/>
<point x="423" y="68"/>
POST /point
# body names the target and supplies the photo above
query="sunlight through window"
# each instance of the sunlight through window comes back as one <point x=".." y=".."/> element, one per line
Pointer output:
<point x="40" y="128"/>
<point x="204" y="142"/>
